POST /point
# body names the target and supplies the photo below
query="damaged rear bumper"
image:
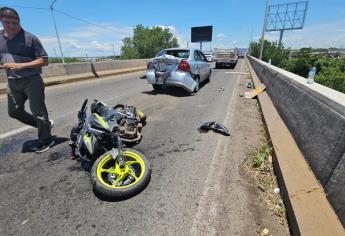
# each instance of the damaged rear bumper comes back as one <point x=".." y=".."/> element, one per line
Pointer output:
<point x="173" y="78"/>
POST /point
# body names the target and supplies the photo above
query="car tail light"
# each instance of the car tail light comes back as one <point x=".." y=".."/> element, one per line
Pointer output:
<point x="150" y="65"/>
<point x="184" y="66"/>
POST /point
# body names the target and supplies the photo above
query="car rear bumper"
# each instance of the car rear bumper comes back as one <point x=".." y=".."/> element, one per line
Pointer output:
<point x="174" y="78"/>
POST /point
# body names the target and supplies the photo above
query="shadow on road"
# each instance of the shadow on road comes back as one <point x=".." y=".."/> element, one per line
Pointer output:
<point x="173" y="91"/>
<point x="29" y="145"/>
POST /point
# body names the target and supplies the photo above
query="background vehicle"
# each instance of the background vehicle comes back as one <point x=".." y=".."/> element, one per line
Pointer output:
<point x="185" y="68"/>
<point x="209" y="56"/>
<point x="117" y="172"/>
<point x="225" y="57"/>
<point x="242" y="52"/>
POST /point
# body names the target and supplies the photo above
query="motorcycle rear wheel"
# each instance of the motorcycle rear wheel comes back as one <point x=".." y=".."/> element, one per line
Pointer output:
<point x="110" y="181"/>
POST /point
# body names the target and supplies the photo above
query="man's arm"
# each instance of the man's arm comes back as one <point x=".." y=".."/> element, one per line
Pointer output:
<point x="37" y="63"/>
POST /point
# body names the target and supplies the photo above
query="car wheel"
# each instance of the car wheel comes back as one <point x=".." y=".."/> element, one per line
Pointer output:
<point x="197" y="87"/>
<point x="208" y="80"/>
<point x="157" y="87"/>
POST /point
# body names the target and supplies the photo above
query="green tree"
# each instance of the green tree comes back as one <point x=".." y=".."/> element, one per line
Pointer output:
<point x="330" y="71"/>
<point x="278" y="55"/>
<point x="147" y="42"/>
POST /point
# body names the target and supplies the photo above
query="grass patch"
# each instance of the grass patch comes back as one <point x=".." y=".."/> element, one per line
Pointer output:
<point x="259" y="166"/>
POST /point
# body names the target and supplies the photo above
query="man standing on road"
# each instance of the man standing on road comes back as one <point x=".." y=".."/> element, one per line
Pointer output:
<point x="23" y="56"/>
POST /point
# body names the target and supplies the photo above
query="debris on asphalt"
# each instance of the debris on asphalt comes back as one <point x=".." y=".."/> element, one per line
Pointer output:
<point x="216" y="127"/>
<point x="276" y="190"/>
<point x="255" y="92"/>
<point x="24" y="222"/>
<point x="261" y="187"/>
<point x="221" y="89"/>
<point x="264" y="232"/>
<point x="249" y="84"/>
<point x="241" y="94"/>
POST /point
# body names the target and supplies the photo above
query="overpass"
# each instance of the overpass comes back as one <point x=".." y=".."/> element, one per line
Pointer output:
<point x="314" y="116"/>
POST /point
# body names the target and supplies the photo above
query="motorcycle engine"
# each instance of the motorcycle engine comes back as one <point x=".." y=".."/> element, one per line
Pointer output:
<point x="128" y="125"/>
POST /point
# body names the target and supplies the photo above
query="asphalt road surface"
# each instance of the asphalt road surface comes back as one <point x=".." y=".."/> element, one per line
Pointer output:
<point x="196" y="186"/>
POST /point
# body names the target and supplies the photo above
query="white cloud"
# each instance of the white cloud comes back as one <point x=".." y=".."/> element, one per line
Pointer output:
<point x="221" y="36"/>
<point x="90" y="40"/>
<point x="330" y="34"/>
<point x="96" y="41"/>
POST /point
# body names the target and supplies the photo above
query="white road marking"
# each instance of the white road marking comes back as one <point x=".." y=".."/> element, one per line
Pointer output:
<point x="24" y="222"/>
<point x="75" y="83"/>
<point x="13" y="132"/>
<point x="207" y="207"/>
<point x="24" y="128"/>
<point x="237" y="72"/>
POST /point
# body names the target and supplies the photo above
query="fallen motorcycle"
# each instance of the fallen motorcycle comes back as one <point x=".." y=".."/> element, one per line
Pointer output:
<point x="130" y="120"/>
<point x="117" y="172"/>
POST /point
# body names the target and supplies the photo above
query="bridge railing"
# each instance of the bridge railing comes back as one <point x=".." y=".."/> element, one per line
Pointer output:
<point x="315" y="116"/>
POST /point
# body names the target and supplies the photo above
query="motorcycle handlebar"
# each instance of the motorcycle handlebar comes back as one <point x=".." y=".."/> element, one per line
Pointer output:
<point x="84" y="105"/>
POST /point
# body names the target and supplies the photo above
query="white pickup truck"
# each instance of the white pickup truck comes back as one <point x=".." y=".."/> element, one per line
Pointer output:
<point x="225" y="57"/>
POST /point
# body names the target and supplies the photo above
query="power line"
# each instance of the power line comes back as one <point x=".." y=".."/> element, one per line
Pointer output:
<point x="84" y="21"/>
<point x="36" y="8"/>
<point x="68" y="15"/>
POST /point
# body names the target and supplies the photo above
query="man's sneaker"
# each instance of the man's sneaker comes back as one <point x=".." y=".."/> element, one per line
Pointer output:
<point x="42" y="147"/>
<point x="52" y="123"/>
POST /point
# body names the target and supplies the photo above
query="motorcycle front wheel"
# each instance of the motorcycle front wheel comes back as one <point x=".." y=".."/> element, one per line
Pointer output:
<point x="110" y="181"/>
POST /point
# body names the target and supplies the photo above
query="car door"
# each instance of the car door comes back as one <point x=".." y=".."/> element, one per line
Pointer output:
<point x="203" y="66"/>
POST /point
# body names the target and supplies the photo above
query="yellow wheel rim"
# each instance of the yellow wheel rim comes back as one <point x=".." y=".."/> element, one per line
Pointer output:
<point x="140" y="113"/>
<point x="111" y="175"/>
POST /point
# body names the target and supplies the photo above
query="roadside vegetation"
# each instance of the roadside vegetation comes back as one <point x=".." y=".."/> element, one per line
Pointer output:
<point x="67" y="60"/>
<point x="330" y="70"/>
<point x="259" y="167"/>
<point x="147" y="42"/>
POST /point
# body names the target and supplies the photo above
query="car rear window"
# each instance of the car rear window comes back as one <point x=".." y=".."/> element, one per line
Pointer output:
<point x="176" y="53"/>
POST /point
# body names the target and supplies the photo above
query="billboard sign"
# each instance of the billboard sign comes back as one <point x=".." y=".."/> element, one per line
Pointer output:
<point x="202" y="34"/>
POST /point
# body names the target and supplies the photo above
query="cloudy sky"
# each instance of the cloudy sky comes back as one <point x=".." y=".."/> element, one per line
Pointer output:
<point x="96" y="28"/>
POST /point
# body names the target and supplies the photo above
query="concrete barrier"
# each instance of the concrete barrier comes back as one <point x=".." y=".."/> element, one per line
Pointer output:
<point x="59" y="69"/>
<point x="315" y="115"/>
<point x="3" y="78"/>
<point x="120" y="64"/>
<point x="57" y="73"/>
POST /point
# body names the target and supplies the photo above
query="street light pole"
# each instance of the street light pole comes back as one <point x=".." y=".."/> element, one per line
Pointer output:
<point x="263" y="31"/>
<point x="57" y="34"/>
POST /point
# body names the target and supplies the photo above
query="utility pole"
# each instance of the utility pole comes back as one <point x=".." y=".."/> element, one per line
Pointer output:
<point x="57" y="34"/>
<point x="263" y="31"/>
<point x="114" y="52"/>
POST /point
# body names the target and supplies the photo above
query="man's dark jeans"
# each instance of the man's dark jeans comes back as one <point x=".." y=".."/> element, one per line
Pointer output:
<point x="32" y="88"/>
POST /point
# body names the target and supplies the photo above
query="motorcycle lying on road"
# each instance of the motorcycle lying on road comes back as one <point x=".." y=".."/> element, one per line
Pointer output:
<point x="117" y="172"/>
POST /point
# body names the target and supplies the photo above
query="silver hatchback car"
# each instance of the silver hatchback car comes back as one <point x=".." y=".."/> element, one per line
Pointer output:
<point x="185" y="68"/>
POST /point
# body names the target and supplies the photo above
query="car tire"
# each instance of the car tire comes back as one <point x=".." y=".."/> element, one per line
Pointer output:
<point x="157" y="87"/>
<point x="197" y="87"/>
<point x="208" y="80"/>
